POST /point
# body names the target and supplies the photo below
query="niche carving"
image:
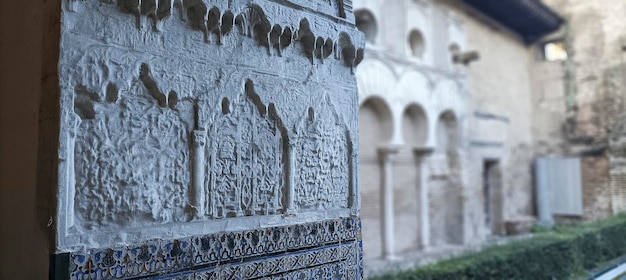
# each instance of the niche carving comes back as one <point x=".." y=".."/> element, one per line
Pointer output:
<point x="131" y="155"/>
<point x="323" y="165"/>
<point x="246" y="156"/>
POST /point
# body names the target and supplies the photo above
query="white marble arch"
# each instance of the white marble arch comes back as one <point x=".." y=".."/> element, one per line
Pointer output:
<point x="374" y="77"/>
<point x="373" y="7"/>
<point x="377" y="80"/>
<point x="413" y="88"/>
<point x="415" y="125"/>
<point x="447" y="131"/>
<point x="448" y="97"/>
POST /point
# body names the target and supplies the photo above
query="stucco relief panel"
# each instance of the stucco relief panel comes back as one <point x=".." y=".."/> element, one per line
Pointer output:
<point x="323" y="164"/>
<point x="131" y="155"/>
<point x="158" y="142"/>
<point x="141" y="157"/>
<point x="246" y="162"/>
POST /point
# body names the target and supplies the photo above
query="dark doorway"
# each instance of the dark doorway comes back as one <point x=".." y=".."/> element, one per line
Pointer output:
<point x="492" y="196"/>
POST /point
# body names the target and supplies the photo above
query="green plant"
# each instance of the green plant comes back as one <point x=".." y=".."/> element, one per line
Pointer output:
<point x="560" y="253"/>
<point x="539" y="229"/>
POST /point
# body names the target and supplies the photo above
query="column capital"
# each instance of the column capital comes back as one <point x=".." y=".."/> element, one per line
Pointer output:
<point x="389" y="149"/>
<point x="387" y="152"/>
<point x="422" y="151"/>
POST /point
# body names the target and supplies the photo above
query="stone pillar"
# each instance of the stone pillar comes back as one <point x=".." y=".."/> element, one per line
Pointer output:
<point x="421" y="155"/>
<point x="543" y="193"/>
<point x="386" y="155"/>
<point x="199" y="141"/>
<point x="291" y="210"/>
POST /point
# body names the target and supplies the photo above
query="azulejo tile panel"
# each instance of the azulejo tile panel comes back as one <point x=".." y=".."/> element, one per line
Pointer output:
<point x="340" y="254"/>
<point x="329" y="249"/>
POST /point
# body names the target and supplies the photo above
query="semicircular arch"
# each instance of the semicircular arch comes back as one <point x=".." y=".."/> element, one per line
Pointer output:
<point x="375" y="122"/>
<point x="415" y="125"/>
<point x="447" y="131"/>
<point x="448" y="98"/>
<point x="366" y="22"/>
<point x="374" y="78"/>
<point x="414" y="87"/>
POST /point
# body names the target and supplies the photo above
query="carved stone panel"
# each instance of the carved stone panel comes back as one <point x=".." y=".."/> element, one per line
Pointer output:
<point x="322" y="173"/>
<point x="246" y="161"/>
<point x="131" y="156"/>
<point x="164" y="136"/>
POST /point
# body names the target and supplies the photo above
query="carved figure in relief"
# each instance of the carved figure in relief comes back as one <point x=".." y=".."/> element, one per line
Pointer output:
<point x="131" y="156"/>
<point x="323" y="161"/>
<point x="246" y="167"/>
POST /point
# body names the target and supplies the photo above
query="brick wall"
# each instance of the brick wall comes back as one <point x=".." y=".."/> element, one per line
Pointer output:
<point x="596" y="191"/>
<point x="406" y="201"/>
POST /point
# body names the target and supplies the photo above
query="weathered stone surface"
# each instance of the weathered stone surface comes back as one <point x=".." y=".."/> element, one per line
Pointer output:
<point x="188" y="117"/>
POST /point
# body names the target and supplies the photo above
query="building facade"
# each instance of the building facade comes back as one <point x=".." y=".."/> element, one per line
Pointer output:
<point x="446" y="122"/>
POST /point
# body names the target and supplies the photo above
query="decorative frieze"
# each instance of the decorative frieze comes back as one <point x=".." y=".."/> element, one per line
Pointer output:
<point x="215" y="20"/>
<point x="268" y="252"/>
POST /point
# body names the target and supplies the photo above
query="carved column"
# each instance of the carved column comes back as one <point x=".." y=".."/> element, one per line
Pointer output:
<point x="291" y="181"/>
<point x="421" y="154"/>
<point x="198" y="196"/>
<point x="386" y="155"/>
<point x="73" y="123"/>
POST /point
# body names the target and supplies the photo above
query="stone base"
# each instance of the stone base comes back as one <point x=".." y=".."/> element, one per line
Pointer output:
<point x="518" y="226"/>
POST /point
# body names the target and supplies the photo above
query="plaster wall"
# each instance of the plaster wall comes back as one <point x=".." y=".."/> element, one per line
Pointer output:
<point x="376" y="133"/>
<point x="491" y="102"/>
<point x="500" y="126"/>
<point x="584" y="97"/>
<point x="411" y="94"/>
<point x="549" y="102"/>
<point x="406" y="207"/>
<point x="26" y="28"/>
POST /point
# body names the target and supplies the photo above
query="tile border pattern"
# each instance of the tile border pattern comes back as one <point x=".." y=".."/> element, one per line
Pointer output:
<point x="329" y="249"/>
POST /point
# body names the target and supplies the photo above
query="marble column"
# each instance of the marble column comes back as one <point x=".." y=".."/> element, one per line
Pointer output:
<point x="291" y="181"/>
<point x="199" y="142"/>
<point x="421" y="154"/>
<point x="386" y="155"/>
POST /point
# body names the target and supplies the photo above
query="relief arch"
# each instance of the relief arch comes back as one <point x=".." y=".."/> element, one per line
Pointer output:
<point x="246" y="159"/>
<point x="323" y="166"/>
